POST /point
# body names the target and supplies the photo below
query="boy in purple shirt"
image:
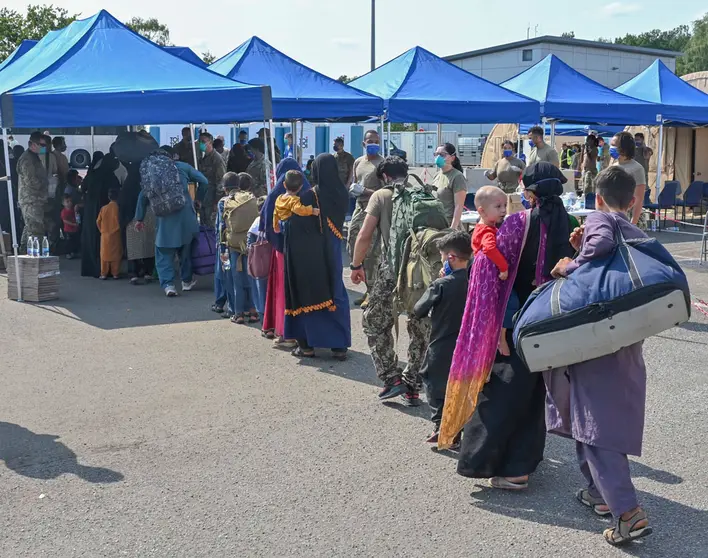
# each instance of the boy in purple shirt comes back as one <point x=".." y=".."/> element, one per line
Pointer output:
<point x="600" y="403"/>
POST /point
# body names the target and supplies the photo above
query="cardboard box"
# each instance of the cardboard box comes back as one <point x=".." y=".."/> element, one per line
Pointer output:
<point x="39" y="276"/>
<point x="513" y="204"/>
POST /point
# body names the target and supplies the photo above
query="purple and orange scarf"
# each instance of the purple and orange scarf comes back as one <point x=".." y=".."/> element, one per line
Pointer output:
<point x="477" y="343"/>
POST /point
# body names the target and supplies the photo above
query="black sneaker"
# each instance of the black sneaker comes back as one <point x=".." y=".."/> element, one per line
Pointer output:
<point x="392" y="389"/>
<point x="411" y="399"/>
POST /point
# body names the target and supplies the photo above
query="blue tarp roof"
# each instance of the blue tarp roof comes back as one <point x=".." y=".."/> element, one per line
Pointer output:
<point x="566" y="94"/>
<point x="564" y="129"/>
<point x="418" y="86"/>
<point x="96" y="71"/>
<point x="680" y="101"/>
<point x="186" y="53"/>
<point x="15" y="55"/>
<point x="298" y="91"/>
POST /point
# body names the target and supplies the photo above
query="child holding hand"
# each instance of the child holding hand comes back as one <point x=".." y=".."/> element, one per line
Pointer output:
<point x="289" y="203"/>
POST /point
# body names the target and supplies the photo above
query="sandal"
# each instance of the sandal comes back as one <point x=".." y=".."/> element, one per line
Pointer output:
<point x="270" y="334"/>
<point x="502" y="484"/>
<point x="626" y="531"/>
<point x="216" y="308"/>
<point x="592" y="502"/>
<point x="281" y="343"/>
<point x="238" y="319"/>
<point x="340" y="355"/>
<point x="298" y="352"/>
<point x="253" y="317"/>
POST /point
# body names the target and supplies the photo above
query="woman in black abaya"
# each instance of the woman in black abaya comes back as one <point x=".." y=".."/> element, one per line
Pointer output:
<point x="99" y="180"/>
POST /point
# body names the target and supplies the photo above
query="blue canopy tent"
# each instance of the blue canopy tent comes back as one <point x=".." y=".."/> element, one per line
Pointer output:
<point x="15" y="55"/>
<point x="567" y="95"/>
<point x="50" y="86"/>
<point x="186" y="53"/>
<point x="679" y="101"/>
<point x="298" y="91"/>
<point x="86" y="75"/>
<point x="680" y="104"/>
<point x="418" y="86"/>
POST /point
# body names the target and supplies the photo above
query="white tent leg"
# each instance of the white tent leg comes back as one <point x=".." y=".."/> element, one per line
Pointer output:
<point x="553" y="134"/>
<point x="272" y="139"/>
<point x="93" y="142"/>
<point x="386" y="148"/>
<point x="659" y="164"/>
<point x="11" y="201"/>
<point x="269" y="185"/>
<point x="520" y="149"/>
<point x="194" y="146"/>
<point x="439" y="134"/>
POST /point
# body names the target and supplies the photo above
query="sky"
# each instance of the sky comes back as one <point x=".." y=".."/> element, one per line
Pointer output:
<point x="333" y="37"/>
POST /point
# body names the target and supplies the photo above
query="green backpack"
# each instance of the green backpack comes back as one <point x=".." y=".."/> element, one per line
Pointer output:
<point x="418" y="221"/>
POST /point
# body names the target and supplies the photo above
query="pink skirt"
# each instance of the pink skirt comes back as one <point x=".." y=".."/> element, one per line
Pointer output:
<point x="275" y="295"/>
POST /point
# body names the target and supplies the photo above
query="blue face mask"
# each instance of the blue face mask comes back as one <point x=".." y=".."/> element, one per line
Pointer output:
<point x="508" y="153"/>
<point x="440" y="161"/>
<point x="372" y="149"/>
<point x="42" y="150"/>
<point x="202" y="146"/>
<point x="614" y="152"/>
<point x="531" y="144"/>
<point x="243" y="141"/>
<point x="447" y="268"/>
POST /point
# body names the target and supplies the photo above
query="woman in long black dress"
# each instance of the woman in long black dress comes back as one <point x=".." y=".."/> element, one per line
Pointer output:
<point x="505" y="437"/>
<point x="99" y="180"/>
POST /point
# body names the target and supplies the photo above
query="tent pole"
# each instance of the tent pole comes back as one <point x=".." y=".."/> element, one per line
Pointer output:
<point x="439" y="133"/>
<point x="194" y="146"/>
<point x="659" y="163"/>
<point x="296" y="142"/>
<point x="93" y="142"/>
<point x="520" y="148"/>
<point x="388" y="136"/>
<point x="269" y="186"/>
<point x="272" y="140"/>
<point x="386" y="147"/>
<point x="553" y="134"/>
<point x="11" y="201"/>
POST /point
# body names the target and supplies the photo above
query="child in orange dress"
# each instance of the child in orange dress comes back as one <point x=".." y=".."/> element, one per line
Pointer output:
<point x="108" y="224"/>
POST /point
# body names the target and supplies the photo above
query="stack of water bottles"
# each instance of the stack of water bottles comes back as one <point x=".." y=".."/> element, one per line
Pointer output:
<point x="573" y="202"/>
<point x="33" y="247"/>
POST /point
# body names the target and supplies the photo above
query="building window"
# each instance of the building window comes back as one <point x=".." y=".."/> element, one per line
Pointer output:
<point x="527" y="55"/>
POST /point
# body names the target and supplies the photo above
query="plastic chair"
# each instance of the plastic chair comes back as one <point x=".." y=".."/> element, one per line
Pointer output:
<point x="692" y="197"/>
<point x="590" y="200"/>
<point x="667" y="198"/>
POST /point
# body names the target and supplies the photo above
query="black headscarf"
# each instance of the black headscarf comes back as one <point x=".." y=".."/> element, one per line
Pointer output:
<point x="238" y="160"/>
<point x="332" y="194"/>
<point x="546" y="180"/>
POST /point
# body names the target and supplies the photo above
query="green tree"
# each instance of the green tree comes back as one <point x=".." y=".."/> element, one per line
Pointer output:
<point x="208" y="57"/>
<point x="696" y="53"/>
<point x="151" y="29"/>
<point x="568" y="35"/>
<point x="34" y="24"/>
<point x="346" y="79"/>
<point x="675" y="39"/>
<point x="397" y="127"/>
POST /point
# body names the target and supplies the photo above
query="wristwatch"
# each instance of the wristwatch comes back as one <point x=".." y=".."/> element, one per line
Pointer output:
<point x="356" y="267"/>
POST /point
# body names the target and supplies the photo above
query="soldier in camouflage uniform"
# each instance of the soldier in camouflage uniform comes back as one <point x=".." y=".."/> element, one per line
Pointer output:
<point x="379" y="319"/>
<point x="213" y="168"/>
<point x="258" y="168"/>
<point x="33" y="188"/>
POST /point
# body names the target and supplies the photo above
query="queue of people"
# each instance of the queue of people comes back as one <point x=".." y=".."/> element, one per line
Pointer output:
<point x="278" y="263"/>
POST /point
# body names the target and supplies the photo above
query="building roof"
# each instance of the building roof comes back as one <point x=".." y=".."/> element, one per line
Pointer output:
<point x="563" y="41"/>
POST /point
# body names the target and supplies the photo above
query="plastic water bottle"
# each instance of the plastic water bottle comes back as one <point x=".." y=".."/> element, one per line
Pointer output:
<point x="35" y="247"/>
<point x="30" y="245"/>
<point x="45" y="247"/>
<point x="226" y="263"/>
<point x="581" y="201"/>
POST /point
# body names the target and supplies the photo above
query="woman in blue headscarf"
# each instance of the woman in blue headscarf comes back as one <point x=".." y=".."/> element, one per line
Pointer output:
<point x="274" y="318"/>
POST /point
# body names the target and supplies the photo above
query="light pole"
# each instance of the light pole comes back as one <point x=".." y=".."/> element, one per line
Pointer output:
<point x="373" y="35"/>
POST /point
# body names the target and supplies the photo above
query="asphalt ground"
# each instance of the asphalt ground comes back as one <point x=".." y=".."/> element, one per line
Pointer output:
<point x="136" y="425"/>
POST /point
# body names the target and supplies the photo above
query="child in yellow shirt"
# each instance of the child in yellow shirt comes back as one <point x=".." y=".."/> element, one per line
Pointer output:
<point x="290" y="203"/>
